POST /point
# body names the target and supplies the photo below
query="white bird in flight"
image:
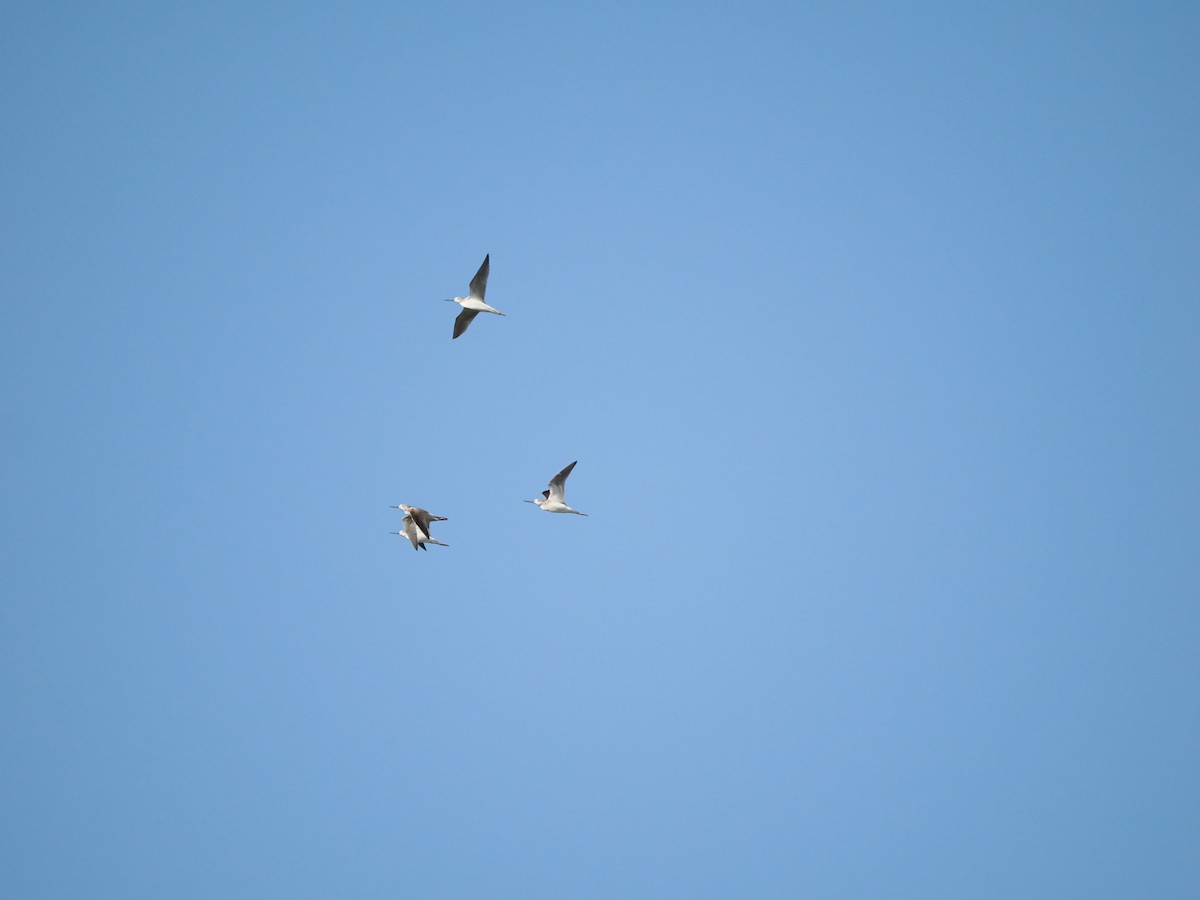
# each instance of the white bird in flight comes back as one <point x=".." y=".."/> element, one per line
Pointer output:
<point x="554" y="500"/>
<point x="413" y="533"/>
<point x="472" y="304"/>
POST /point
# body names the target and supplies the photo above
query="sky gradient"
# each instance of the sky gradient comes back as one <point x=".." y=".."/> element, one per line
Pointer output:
<point x="876" y="334"/>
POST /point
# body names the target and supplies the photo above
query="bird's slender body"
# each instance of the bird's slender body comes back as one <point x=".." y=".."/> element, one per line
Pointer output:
<point x="554" y="498"/>
<point x="473" y="304"/>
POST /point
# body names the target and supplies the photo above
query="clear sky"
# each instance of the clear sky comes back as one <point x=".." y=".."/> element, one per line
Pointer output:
<point x="875" y="329"/>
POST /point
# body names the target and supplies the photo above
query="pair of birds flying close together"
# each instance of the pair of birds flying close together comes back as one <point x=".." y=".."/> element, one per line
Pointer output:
<point x="416" y="521"/>
<point x="416" y="526"/>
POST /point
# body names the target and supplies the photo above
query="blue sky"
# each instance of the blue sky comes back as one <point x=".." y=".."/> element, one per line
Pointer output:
<point x="874" y="331"/>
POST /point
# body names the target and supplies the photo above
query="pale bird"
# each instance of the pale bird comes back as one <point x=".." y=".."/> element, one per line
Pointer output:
<point x="415" y="537"/>
<point x="472" y="304"/>
<point x="554" y="499"/>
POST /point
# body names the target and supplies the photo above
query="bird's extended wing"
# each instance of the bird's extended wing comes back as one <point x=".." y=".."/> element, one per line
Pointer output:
<point x="558" y="484"/>
<point x="423" y="518"/>
<point x="463" y="320"/>
<point x="410" y="531"/>
<point x="479" y="282"/>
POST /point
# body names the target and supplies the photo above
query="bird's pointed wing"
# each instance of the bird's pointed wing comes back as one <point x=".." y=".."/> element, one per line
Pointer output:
<point x="558" y="484"/>
<point x="464" y="319"/>
<point x="410" y="531"/>
<point x="421" y="517"/>
<point x="479" y="282"/>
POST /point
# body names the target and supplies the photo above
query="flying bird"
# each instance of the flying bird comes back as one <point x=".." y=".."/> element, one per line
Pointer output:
<point x="472" y="304"/>
<point x="554" y="500"/>
<point x="413" y="533"/>
<point x="421" y="516"/>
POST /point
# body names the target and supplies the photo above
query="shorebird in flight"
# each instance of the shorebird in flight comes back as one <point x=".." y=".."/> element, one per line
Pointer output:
<point x="416" y="537"/>
<point x="472" y="304"/>
<point x="421" y="516"/>
<point x="554" y="500"/>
